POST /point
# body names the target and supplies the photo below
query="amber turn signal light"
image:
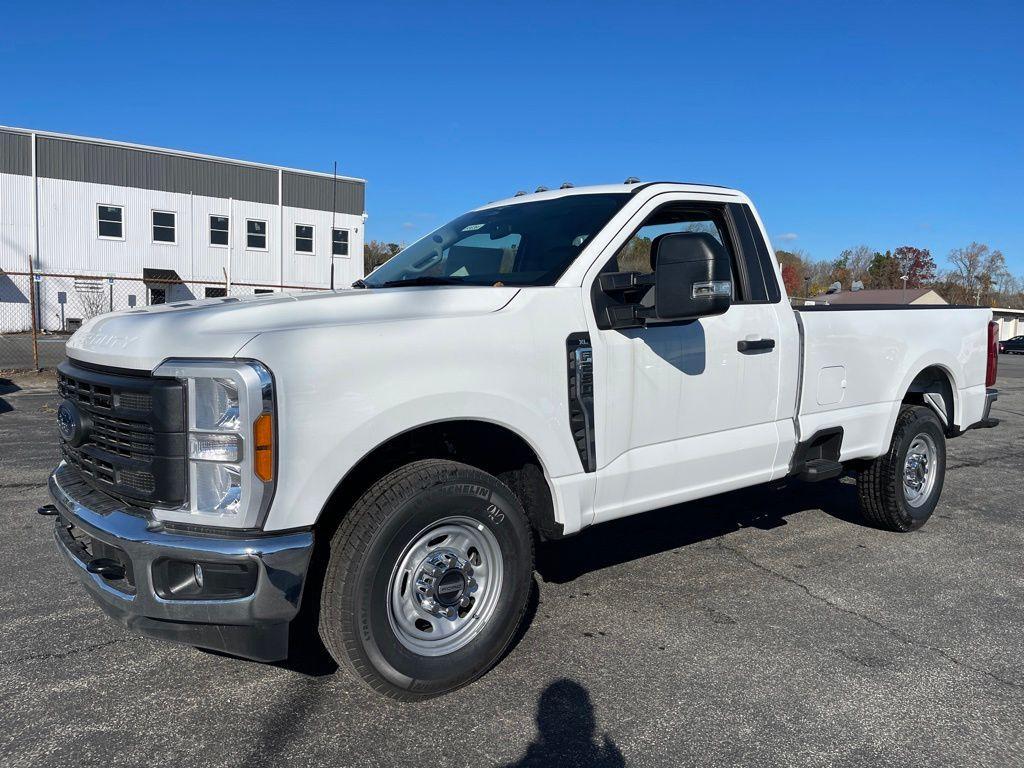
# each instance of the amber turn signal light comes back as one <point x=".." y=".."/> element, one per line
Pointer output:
<point x="263" y="439"/>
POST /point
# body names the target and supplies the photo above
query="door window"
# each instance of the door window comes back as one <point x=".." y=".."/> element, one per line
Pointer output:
<point x="635" y="255"/>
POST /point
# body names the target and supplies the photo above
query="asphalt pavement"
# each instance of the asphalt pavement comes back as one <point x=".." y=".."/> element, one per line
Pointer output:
<point x="765" y="627"/>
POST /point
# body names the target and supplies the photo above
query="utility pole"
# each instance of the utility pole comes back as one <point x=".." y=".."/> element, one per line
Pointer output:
<point x="334" y="207"/>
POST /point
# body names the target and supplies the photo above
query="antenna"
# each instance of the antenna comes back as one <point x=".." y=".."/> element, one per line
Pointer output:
<point x="632" y="180"/>
<point x="334" y="207"/>
<point x="566" y="185"/>
<point x="541" y="189"/>
<point x="520" y="193"/>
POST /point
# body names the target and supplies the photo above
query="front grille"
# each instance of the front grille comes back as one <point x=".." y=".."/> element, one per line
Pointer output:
<point x="91" y="467"/>
<point x="134" y="434"/>
<point x="84" y="393"/>
<point x="124" y="437"/>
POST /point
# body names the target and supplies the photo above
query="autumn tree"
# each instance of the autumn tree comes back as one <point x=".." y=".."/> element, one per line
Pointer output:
<point x="794" y="272"/>
<point x="792" y="279"/>
<point x="917" y="264"/>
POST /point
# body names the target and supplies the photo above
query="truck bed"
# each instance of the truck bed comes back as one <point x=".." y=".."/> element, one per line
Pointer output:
<point x="858" y="361"/>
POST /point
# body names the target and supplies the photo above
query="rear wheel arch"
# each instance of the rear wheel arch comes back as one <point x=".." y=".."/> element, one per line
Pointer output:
<point x="935" y="388"/>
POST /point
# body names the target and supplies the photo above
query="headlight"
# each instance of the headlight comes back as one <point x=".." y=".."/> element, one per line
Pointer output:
<point x="231" y="461"/>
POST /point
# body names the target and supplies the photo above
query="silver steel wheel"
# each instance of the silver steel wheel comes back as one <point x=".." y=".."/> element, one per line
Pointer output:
<point x="920" y="470"/>
<point x="445" y="587"/>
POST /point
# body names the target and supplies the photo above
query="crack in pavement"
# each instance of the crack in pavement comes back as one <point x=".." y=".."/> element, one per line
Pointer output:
<point x="1006" y="410"/>
<point x="985" y="460"/>
<point x="65" y="654"/>
<point x="909" y="641"/>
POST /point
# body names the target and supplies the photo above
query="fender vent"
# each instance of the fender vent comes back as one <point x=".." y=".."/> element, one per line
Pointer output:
<point x="580" y="360"/>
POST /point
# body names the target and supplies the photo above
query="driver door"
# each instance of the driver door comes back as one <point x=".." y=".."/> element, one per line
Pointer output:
<point x="681" y="411"/>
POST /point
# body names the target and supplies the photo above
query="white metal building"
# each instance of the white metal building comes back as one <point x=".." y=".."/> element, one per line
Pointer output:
<point x="182" y="225"/>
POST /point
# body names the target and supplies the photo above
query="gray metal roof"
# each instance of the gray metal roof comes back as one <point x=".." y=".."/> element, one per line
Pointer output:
<point x="76" y="158"/>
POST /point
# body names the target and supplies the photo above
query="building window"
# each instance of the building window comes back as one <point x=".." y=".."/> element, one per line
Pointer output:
<point x="339" y="242"/>
<point x="303" y="238"/>
<point x="260" y="291"/>
<point x="220" y="231"/>
<point x="163" y="227"/>
<point x="255" y="235"/>
<point x="215" y="293"/>
<point x="110" y="222"/>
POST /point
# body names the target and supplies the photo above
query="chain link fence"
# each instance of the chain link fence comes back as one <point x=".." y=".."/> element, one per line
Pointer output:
<point x="39" y="311"/>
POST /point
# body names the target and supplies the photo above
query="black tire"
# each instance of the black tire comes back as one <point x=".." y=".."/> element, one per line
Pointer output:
<point x="882" y="498"/>
<point x="355" y="618"/>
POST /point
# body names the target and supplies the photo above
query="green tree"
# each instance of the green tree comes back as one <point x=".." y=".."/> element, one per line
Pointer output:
<point x="884" y="271"/>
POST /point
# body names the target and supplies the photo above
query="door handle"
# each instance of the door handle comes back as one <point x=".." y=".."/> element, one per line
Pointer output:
<point x="755" y="346"/>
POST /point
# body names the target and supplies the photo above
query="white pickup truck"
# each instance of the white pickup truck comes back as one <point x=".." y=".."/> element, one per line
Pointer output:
<point x="385" y="457"/>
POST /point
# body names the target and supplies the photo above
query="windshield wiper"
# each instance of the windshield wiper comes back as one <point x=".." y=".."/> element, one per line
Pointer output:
<point x="360" y="283"/>
<point x="422" y="280"/>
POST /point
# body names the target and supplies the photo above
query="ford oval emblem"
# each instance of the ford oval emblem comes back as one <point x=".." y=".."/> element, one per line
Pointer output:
<point x="71" y="423"/>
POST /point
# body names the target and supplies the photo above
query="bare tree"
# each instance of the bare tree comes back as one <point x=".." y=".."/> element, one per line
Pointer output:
<point x="94" y="301"/>
<point x="376" y="252"/>
<point x="857" y="261"/>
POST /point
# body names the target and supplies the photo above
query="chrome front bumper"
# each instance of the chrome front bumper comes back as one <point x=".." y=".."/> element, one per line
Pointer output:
<point x="92" y="526"/>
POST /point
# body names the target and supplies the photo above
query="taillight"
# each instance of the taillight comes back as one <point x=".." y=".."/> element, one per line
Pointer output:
<point x="993" y="354"/>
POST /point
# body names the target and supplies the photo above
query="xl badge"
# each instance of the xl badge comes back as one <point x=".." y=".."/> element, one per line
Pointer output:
<point x="71" y="423"/>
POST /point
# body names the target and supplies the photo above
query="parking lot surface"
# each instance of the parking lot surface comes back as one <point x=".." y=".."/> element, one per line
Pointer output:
<point x="765" y="627"/>
<point x="16" y="351"/>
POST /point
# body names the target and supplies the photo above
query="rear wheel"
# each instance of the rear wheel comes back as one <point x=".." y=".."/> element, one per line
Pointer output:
<point x="900" y="489"/>
<point x="427" y="579"/>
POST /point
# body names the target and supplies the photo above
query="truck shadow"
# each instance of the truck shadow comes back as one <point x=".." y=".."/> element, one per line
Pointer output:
<point x="7" y="387"/>
<point x="637" y="536"/>
<point x="620" y="541"/>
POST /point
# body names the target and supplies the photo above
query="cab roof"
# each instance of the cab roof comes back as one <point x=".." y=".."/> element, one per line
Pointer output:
<point x="631" y="189"/>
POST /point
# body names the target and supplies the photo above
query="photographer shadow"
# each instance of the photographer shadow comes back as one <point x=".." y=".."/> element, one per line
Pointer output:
<point x="566" y="731"/>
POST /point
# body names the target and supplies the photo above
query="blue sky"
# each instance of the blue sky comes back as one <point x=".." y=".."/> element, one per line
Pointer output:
<point x="882" y="124"/>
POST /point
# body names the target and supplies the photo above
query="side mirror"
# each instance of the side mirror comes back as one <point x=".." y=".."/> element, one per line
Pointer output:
<point x="692" y="276"/>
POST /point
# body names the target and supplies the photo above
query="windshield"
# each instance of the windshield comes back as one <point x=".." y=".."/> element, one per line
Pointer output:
<point x="518" y="244"/>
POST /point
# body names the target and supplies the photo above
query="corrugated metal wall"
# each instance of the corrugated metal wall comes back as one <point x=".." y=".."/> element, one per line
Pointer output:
<point x="103" y="164"/>
<point x="69" y="242"/>
<point x="95" y="162"/>
<point x="15" y="221"/>
<point x="76" y="175"/>
<point x="15" y="153"/>
<point x="315" y="193"/>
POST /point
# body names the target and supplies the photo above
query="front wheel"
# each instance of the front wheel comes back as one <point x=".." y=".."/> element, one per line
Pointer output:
<point x="900" y="489"/>
<point x="427" y="579"/>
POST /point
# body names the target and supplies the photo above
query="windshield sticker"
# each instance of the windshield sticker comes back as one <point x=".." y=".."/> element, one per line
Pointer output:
<point x="472" y="227"/>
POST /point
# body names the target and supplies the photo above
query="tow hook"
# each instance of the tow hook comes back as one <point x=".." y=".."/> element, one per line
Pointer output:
<point x="111" y="570"/>
<point x="47" y="510"/>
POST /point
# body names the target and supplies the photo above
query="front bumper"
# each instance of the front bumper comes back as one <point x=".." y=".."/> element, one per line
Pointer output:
<point x="92" y="527"/>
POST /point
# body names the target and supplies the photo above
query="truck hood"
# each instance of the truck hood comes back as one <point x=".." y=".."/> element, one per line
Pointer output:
<point x="141" y="339"/>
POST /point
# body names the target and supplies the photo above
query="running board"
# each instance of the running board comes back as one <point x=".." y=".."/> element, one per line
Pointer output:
<point x="816" y="470"/>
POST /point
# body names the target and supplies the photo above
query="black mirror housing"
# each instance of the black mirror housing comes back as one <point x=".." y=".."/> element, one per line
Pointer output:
<point x="692" y="276"/>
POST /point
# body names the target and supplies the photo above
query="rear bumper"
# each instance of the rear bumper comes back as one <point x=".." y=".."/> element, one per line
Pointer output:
<point x="991" y="395"/>
<point x="91" y="526"/>
<point x="986" y="421"/>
